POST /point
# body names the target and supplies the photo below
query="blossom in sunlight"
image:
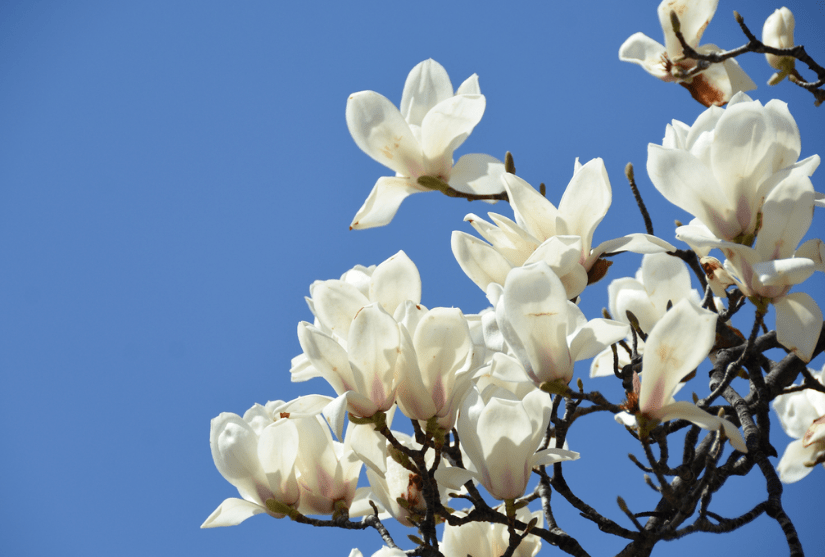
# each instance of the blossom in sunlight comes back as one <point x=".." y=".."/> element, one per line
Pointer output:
<point x="545" y="331"/>
<point x="383" y="552"/>
<point x="712" y="86"/>
<point x="481" y="539"/>
<point x="334" y="303"/>
<point x="778" y="33"/>
<point x="722" y="169"/>
<point x="668" y="359"/>
<point x="561" y="237"/>
<point x="802" y="415"/>
<point x="435" y="381"/>
<point x="662" y="279"/>
<point x="501" y="435"/>
<point x="766" y="272"/>
<point x="262" y="467"/>
<point x="419" y="140"/>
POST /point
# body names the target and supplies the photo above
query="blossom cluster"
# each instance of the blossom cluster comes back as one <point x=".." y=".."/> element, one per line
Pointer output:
<point x="482" y="392"/>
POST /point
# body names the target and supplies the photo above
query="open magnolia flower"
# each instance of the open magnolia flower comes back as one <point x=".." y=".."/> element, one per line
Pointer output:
<point x="766" y="272"/>
<point x="667" y="360"/>
<point x="662" y="279"/>
<point x="712" y="86"/>
<point x="722" y="169"/>
<point x="802" y="415"/>
<point x="545" y="331"/>
<point x="560" y="237"/>
<point x="418" y="141"/>
<point x="778" y="33"/>
<point x="501" y="434"/>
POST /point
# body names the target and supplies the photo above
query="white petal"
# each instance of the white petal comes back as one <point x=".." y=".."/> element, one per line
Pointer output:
<point x="445" y="127"/>
<point x="668" y="358"/>
<point x="395" y="281"/>
<point x="469" y="86"/>
<point x="784" y="271"/>
<point x="234" y="447"/>
<point x="533" y="212"/>
<point x="427" y="85"/>
<point x="798" y="324"/>
<point x="788" y="144"/>
<point x="791" y="467"/>
<point x="373" y="345"/>
<point x="644" y="51"/>
<point x="786" y="215"/>
<point x="813" y="249"/>
<point x="231" y="512"/>
<point x="595" y="337"/>
<point x="635" y="243"/>
<point x="381" y="132"/>
<point x="383" y="202"/>
<point x="585" y="202"/>
<point x="479" y="261"/>
<point x="335" y="303"/>
<point x="694" y="16"/>
<point x="478" y="174"/>
<point x="692" y="413"/>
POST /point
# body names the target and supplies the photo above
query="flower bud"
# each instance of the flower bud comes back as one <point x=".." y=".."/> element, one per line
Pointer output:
<point x="778" y="33"/>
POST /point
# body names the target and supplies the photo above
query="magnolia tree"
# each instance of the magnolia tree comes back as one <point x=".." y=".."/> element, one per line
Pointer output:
<point x="492" y="397"/>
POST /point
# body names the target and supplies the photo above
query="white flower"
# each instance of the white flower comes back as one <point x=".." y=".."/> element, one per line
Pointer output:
<point x="481" y="539"/>
<point x="722" y="169"/>
<point x="560" y="237"/>
<point x="713" y="86"/>
<point x="767" y="272"/>
<point x="778" y="33"/>
<point x="383" y="552"/>
<point x="676" y="345"/>
<point x="436" y="380"/>
<point x="545" y="331"/>
<point x="419" y="140"/>
<point x="261" y="467"/>
<point x="501" y="434"/>
<point x="802" y="415"/>
<point x="661" y="279"/>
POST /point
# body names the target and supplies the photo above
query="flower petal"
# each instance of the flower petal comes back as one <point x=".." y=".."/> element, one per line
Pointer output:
<point x="383" y="202"/>
<point x="444" y="129"/>
<point x="478" y="174"/>
<point x="231" y="512"/>
<point x="694" y="16"/>
<point x="692" y="413"/>
<point x="479" y="261"/>
<point x="427" y="85"/>
<point x="644" y="51"/>
<point x="798" y="324"/>
<point x="395" y="281"/>
<point x="585" y="202"/>
<point x="381" y="132"/>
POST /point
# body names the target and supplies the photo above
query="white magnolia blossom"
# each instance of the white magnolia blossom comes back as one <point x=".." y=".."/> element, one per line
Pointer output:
<point x="722" y="169"/>
<point x="801" y="415"/>
<point x="661" y="279"/>
<point x="561" y="237"/>
<point x="713" y="86"/>
<point x="261" y="456"/>
<point x="545" y="331"/>
<point x="419" y="140"/>
<point x="481" y="539"/>
<point x="501" y="435"/>
<point x="436" y="380"/>
<point x="668" y="359"/>
<point x="766" y="272"/>
<point x="778" y="33"/>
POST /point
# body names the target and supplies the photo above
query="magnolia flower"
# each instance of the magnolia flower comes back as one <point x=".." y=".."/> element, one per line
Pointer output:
<point x="723" y="167"/>
<point x="661" y="280"/>
<point x="501" y="434"/>
<point x="546" y="332"/>
<point x="560" y="237"/>
<point x="481" y="539"/>
<point x="712" y="86"/>
<point x="365" y="374"/>
<point x="435" y="381"/>
<point x="667" y="359"/>
<point x="383" y="552"/>
<point x="778" y="33"/>
<point x="419" y="140"/>
<point x="767" y="272"/>
<point x="336" y="302"/>
<point x="262" y="467"/>
<point x="802" y="415"/>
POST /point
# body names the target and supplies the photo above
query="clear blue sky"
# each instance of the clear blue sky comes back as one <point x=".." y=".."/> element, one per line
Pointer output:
<point x="174" y="175"/>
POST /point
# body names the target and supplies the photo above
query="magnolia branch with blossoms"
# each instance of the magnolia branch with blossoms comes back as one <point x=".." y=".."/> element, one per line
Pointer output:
<point x="491" y="398"/>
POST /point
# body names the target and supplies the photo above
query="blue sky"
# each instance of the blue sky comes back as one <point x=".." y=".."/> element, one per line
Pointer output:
<point x="174" y="175"/>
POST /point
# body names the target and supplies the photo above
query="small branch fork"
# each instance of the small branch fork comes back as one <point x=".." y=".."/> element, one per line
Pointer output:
<point x="755" y="45"/>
